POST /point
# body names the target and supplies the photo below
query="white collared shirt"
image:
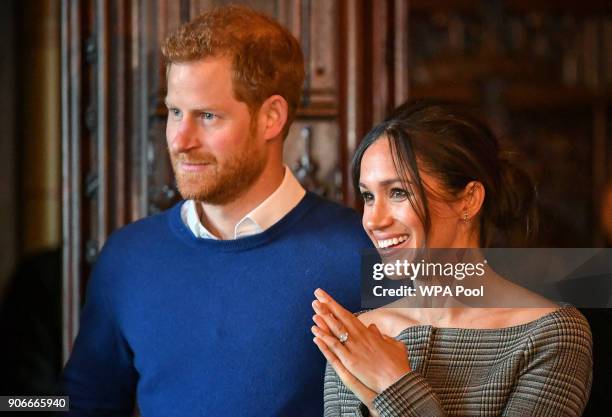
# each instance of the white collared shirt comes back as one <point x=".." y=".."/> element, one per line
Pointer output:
<point x="270" y="211"/>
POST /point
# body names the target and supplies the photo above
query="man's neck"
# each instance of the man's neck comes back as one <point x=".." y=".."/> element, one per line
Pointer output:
<point x="221" y="220"/>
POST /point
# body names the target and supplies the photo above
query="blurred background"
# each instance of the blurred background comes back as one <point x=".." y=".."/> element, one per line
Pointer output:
<point x="83" y="147"/>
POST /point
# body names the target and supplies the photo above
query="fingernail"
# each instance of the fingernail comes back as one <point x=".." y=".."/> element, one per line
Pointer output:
<point x="321" y="295"/>
<point x="316" y="304"/>
<point x="315" y="330"/>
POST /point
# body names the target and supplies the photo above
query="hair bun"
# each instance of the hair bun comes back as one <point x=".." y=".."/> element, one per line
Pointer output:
<point x="515" y="199"/>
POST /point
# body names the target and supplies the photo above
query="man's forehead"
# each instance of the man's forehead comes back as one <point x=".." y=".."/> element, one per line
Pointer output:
<point x="215" y="75"/>
<point x="193" y="101"/>
<point x="208" y="64"/>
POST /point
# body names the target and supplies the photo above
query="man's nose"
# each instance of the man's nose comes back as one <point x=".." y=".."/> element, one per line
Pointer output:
<point x="185" y="136"/>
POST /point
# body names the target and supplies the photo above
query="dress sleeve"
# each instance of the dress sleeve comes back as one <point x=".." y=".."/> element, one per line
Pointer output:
<point x="100" y="378"/>
<point x="331" y="392"/>
<point x="557" y="377"/>
<point x="331" y="396"/>
<point x="410" y="396"/>
<point x="333" y="407"/>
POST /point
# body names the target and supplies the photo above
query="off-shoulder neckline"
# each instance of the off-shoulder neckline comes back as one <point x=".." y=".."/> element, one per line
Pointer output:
<point x="563" y="308"/>
<point x="517" y="328"/>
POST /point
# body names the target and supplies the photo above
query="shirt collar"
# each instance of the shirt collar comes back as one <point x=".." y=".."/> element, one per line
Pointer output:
<point x="278" y="204"/>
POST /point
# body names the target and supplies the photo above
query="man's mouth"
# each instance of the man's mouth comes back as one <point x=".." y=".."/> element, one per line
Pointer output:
<point x="193" y="166"/>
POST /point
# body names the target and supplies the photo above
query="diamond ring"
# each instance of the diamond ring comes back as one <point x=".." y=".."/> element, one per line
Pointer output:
<point x="343" y="337"/>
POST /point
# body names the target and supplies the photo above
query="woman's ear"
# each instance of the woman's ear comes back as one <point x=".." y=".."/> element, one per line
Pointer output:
<point x="473" y="196"/>
<point x="273" y="115"/>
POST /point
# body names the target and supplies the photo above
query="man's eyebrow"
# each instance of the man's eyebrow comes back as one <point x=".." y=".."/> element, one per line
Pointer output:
<point x="198" y="109"/>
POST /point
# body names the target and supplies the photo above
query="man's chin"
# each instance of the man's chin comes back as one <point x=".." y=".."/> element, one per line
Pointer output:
<point x="190" y="191"/>
<point x="211" y="197"/>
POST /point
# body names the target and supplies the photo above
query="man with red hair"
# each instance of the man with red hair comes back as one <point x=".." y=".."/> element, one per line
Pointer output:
<point x="201" y="310"/>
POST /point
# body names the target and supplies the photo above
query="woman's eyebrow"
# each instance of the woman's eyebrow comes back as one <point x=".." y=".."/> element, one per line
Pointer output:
<point x="387" y="182"/>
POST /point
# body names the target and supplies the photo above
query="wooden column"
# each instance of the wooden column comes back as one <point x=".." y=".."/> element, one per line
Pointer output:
<point x="71" y="169"/>
<point x="354" y="93"/>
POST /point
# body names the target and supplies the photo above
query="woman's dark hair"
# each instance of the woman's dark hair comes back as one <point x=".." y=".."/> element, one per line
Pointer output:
<point x="456" y="148"/>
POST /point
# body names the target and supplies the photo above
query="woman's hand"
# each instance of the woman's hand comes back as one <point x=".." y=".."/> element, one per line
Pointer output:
<point x="366" y="358"/>
<point x="363" y="393"/>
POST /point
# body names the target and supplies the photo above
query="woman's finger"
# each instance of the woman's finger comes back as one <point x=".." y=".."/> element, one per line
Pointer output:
<point x="321" y="323"/>
<point x="335" y="308"/>
<point x="375" y="330"/>
<point x="335" y="327"/>
<point x="345" y="317"/>
<point x="333" y="360"/>
<point x="332" y="342"/>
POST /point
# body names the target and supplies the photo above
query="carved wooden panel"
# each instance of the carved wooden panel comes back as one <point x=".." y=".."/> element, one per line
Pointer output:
<point x="72" y="178"/>
<point x="110" y="97"/>
<point x="270" y="7"/>
<point x="319" y="38"/>
<point x="311" y="151"/>
<point x="159" y="191"/>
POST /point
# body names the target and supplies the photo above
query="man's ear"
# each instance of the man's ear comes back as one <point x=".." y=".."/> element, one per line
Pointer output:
<point x="273" y="115"/>
<point x="473" y="198"/>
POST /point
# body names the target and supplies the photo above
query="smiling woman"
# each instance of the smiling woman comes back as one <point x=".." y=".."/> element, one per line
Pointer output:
<point x="432" y="176"/>
<point x="440" y="154"/>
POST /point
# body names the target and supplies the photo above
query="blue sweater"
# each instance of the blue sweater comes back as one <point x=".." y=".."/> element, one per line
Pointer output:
<point x="199" y="327"/>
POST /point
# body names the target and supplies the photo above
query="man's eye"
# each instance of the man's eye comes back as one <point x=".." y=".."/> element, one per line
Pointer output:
<point x="398" y="194"/>
<point x="207" y="116"/>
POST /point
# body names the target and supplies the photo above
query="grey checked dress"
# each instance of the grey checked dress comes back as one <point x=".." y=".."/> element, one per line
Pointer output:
<point x="541" y="368"/>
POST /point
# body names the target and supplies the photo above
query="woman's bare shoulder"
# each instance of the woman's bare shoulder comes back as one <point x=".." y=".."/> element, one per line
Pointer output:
<point x="390" y="321"/>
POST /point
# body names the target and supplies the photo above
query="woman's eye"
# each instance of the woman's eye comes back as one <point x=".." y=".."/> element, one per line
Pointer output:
<point x="367" y="196"/>
<point x="398" y="194"/>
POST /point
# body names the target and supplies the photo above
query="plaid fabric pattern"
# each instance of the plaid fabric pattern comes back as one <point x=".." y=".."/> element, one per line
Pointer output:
<point x="541" y="368"/>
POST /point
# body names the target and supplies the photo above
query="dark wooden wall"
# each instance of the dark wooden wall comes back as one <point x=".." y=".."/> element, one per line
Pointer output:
<point x="8" y="147"/>
<point x="540" y="71"/>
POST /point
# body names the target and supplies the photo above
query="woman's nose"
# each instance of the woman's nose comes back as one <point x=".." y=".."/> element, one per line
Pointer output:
<point x="377" y="216"/>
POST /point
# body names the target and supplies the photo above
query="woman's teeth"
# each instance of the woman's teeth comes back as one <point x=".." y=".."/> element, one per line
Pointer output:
<point x="382" y="244"/>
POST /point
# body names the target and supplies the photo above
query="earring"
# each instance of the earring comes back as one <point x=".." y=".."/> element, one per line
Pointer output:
<point x="466" y="218"/>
